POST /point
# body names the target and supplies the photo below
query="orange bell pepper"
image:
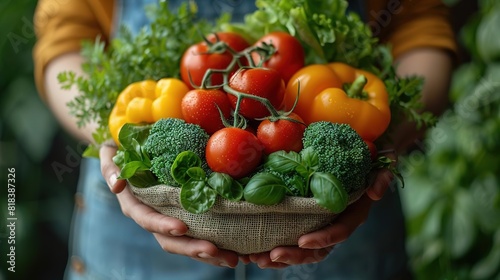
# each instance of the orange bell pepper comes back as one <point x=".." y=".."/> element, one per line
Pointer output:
<point x="147" y="102"/>
<point x="364" y="106"/>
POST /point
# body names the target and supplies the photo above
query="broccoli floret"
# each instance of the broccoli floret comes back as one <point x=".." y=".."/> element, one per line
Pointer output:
<point x="342" y="152"/>
<point x="169" y="137"/>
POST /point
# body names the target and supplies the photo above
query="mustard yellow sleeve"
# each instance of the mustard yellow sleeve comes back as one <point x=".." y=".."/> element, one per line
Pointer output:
<point x="60" y="27"/>
<point x="411" y="24"/>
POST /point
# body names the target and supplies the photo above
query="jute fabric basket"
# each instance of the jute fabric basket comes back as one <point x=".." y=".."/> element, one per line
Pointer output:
<point x="241" y="226"/>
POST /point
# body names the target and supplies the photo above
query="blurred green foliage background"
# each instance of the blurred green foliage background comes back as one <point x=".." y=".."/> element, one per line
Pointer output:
<point x="32" y="143"/>
<point x="452" y="193"/>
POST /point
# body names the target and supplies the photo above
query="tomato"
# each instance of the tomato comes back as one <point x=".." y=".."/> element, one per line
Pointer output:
<point x="289" y="56"/>
<point x="262" y="82"/>
<point x="196" y="61"/>
<point x="281" y="135"/>
<point x="201" y="106"/>
<point x="233" y="151"/>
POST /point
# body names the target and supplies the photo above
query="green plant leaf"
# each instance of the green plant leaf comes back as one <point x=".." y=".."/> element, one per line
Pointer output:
<point x="225" y="186"/>
<point x="130" y="168"/>
<point x="264" y="189"/>
<point x="488" y="46"/>
<point x="196" y="197"/>
<point x="329" y="192"/>
<point x="282" y="161"/>
<point x="182" y="163"/>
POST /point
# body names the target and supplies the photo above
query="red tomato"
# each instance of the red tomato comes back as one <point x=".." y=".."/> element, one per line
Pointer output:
<point x="289" y="56"/>
<point x="195" y="61"/>
<point x="201" y="106"/>
<point x="233" y="151"/>
<point x="281" y="135"/>
<point x="263" y="82"/>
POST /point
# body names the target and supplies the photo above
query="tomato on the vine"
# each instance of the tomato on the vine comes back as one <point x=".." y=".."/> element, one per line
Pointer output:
<point x="233" y="151"/>
<point x="289" y="56"/>
<point x="196" y="61"/>
<point x="261" y="82"/>
<point x="282" y="134"/>
<point x="201" y="106"/>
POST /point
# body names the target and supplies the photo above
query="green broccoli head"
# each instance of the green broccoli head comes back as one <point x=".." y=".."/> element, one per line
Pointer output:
<point x="342" y="152"/>
<point x="169" y="137"/>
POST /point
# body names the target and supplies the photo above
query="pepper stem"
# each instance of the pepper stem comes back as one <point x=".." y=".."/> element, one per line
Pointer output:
<point x="356" y="89"/>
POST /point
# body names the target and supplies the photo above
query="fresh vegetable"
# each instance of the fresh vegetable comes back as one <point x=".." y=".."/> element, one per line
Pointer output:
<point x="209" y="54"/>
<point x="299" y="174"/>
<point x="206" y="108"/>
<point x="288" y="56"/>
<point x="168" y="138"/>
<point x="199" y="191"/>
<point x="341" y="151"/>
<point x="131" y="157"/>
<point x="233" y="151"/>
<point x="261" y="82"/>
<point x="146" y="102"/>
<point x="264" y="189"/>
<point x="281" y="134"/>
<point x="364" y="105"/>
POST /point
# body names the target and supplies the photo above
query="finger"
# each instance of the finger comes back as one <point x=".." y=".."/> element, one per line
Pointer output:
<point x="200" y="250"/>
<point x="295" y="255"/>
<point x="148" y="218"/>
<point x="382" y="182"/>
<point x="341" y="228"/>
<point x="109" y="170"/>
<point x="245" y="259"/>
<point x="263" y="261"/>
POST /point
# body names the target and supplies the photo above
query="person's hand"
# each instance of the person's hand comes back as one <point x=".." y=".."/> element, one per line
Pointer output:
<point x="315" y="246"/>
<point x="168" y="231"/>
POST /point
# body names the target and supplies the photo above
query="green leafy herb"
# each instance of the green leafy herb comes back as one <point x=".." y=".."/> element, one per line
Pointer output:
<point x="264" y="189"/>
<point x="328" y="192"/>
<point x="153" y="53"/>
<point x="198" y="193"/>
<point x="133" y="160"/>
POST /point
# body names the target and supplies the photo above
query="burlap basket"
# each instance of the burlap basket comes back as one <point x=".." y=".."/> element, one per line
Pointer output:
<point x="241" y="226"/>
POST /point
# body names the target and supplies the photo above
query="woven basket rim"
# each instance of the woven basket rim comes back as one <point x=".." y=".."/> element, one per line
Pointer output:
<point x="290" y="204"/>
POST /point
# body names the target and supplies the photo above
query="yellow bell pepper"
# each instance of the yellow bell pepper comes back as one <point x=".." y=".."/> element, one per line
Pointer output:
<point x="146" y="102"/>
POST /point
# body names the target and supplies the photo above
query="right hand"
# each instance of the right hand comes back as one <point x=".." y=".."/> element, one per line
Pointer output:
<point x="168" y="231"/>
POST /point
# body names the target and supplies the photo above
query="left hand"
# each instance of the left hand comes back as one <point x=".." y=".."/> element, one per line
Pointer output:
<point x="315" y="246"/>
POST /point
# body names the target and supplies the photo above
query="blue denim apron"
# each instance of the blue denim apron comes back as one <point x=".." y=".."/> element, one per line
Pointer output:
<point x="107" y="245"/>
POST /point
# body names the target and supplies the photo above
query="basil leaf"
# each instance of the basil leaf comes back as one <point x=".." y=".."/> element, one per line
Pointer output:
<point x="264" y="189"/>
<point x="182" y="163"/>
<point x="282" y="161"/>
<point x="310" y="158"/>
<point x="329" y="192"/>
<point x="225" y="186"/>
<point x="143" y="179"/>
<point x="130" y="168"/>
<point x="196" y="173"/>
<point x="130" y="132"/>
<point x="196" y="197"/>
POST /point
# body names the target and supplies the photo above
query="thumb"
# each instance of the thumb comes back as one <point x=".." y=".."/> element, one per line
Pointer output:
<point x="110" y="171"/>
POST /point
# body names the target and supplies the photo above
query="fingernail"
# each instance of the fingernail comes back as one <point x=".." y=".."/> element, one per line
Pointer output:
<point x="175" y="232"/>
<point x="204" y="255"/>
<point x="309" y="245"/>
<point x="281" y="259"/>
<point x="224" y="264"/>
<point x="113" y="179"/>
